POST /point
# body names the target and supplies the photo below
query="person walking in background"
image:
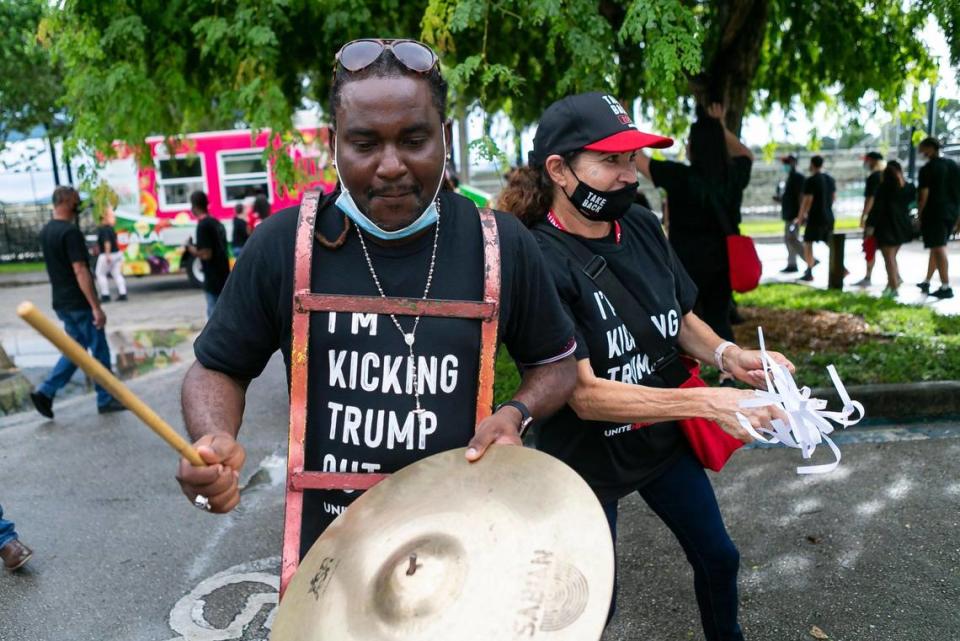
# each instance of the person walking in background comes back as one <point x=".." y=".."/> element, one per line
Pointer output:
<point x="240" y="232"/>
<point x="704" y="199"/>
<point x="938" y="207"/>
<point x="13" y="552"/>
<point x="75" y="300"/>
<point x="816" y="212"/>
<point x="110" y="258"/>
<point x="261" y="207"/>
<point x="789" y="200"/>
<point x="890" y="217"/>
<point x="873" y="163"/>
<point x="210" y="249"/>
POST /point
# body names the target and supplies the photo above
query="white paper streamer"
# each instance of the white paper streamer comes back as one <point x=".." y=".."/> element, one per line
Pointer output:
<point x="809" y="421"/>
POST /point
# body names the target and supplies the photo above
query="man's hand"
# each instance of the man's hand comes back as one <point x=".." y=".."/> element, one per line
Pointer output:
<point x="500" y="428"/>
<point x="747" y="366"/>
<point x="725" y="405"/>
<point x="99" y="318"/>
<point x="219" y="480"/>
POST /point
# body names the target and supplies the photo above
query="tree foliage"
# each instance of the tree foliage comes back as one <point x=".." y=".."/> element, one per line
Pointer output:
<point x="140" y="67"/>
<point x="29" y="82"/>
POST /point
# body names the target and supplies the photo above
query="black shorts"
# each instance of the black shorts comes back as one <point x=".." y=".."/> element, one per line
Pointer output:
<point x="936" y="232"/>
<point x="817" y="233"/>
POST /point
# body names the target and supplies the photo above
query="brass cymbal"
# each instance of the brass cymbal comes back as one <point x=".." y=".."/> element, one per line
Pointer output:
<point x="512" y="547"/>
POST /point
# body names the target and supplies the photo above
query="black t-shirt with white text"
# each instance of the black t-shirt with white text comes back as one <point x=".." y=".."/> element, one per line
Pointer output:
<point x="822" y="187"/>
<point x="941" y="178"/>
<point x="211" y="235"/>
<point x="63" y="244"/>
<point x="615" y="458"/>
<point x="361" y="401"/>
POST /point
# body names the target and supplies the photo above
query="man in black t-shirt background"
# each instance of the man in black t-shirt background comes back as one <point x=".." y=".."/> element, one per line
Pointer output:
<point x="383" y="391"/>
<point x="873" y="163"/>
<point x="938" y="206"/>
<point x="789" y="200"/>
<point x="816" y="211"/>
<point x="210" y="249"/>
<point x="75" y="300"/>
<point x="704" y="200"/>
<point x="240" y="232"/>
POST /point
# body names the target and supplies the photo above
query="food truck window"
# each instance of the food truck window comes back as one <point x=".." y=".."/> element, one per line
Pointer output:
<point x="243" y="173"/>
<point x="176" y="178"/>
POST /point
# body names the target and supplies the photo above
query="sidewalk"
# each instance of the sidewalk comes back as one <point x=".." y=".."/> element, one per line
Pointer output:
<point x="20" y="279"/>
<point x="912" y="261"/>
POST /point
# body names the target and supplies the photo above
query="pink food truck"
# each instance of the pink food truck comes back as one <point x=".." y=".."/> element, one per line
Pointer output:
<point x="153" y="212"/>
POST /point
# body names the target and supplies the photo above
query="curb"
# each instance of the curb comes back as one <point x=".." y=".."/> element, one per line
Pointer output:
<point x="901" y="401"/>
<point x="775" y="239"/>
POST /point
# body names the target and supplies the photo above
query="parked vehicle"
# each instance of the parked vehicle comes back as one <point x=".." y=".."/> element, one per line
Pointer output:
<point x="153" y="213"/>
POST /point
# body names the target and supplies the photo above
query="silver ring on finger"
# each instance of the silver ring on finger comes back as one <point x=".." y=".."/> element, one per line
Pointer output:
<point x="202" y="502"/>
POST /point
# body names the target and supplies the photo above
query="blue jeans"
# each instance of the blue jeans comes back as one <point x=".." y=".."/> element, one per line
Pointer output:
<point x="684" y="500"/>
<point x="78" y="324"/>
<point x="211" y="302"/>
<point x="7" y="533"/>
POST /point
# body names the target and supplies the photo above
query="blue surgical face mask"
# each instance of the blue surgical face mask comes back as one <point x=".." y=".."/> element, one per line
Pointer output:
<point x="348" y="206"/>
<point x="785" y="168"/>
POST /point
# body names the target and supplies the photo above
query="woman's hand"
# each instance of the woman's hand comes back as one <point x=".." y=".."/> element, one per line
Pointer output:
<point x="725" y="405"/>
<point x="717" y="110"/>
<point x="747" y="366"/>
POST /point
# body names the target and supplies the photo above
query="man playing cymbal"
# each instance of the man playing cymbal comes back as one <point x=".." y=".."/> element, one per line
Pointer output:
<point x="384" y="391"/>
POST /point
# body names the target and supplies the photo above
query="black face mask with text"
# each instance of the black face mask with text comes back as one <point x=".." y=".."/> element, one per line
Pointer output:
<point x="606" y="206"/>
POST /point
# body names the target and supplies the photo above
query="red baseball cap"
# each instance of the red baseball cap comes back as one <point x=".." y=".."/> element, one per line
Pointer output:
<point x="593" y="121"/>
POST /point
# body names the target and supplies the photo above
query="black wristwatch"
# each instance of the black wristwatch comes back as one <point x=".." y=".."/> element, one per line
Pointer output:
<point x="525" y="417"/>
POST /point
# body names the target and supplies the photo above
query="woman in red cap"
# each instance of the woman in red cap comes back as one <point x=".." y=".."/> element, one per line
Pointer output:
<point x="619" y="429"/>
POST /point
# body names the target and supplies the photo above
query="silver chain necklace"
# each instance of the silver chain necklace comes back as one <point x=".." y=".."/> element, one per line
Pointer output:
<point x="408" y="337"/>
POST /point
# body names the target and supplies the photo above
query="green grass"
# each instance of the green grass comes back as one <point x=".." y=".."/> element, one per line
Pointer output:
<point x="775" y="227"/>
<point x="915" y="343"/>
<point x="21" y="268"/>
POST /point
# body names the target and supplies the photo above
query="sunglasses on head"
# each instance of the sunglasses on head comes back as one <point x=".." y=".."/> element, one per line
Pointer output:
<point x="360" y="54"/>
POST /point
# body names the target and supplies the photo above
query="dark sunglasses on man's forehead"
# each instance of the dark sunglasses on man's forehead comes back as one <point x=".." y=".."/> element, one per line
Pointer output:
<point x="360" y="54"/>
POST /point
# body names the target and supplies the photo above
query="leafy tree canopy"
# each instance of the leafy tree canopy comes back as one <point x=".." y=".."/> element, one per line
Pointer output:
<point x="30" y="84"/>
<point x="134" y="68"/>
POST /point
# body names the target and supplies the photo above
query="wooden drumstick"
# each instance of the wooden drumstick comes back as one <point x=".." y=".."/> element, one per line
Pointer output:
<point x="72" y="350"/>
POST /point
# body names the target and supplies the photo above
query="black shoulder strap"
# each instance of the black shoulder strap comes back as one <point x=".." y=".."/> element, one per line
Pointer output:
<point x="665" y="359"/>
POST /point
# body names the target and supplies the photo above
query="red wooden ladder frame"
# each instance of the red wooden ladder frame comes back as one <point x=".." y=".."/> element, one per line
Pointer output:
<point x="305" y="302"/>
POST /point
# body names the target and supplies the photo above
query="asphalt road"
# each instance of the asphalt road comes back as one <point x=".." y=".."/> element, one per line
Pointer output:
<point x="870" y="551"/>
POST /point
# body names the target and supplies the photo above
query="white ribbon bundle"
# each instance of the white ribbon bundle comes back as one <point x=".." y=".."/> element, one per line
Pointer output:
<point x="809" y="422"/>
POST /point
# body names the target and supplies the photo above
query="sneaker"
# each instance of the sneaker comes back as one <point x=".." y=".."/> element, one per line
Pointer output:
<point x="104" y="299"/>
<point x="889" y="292"/>
<point x="43" y="403"/>
<point x="122" y="297"/>
<point x="863" y="282"/>
<point x="790" y="269"/>
<point x="943" y="292"/>
<point x="15" y="555"/>
<point x="807" y="275"/>
<point x="924" y="287"/>
<point x="113" y="406"/>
